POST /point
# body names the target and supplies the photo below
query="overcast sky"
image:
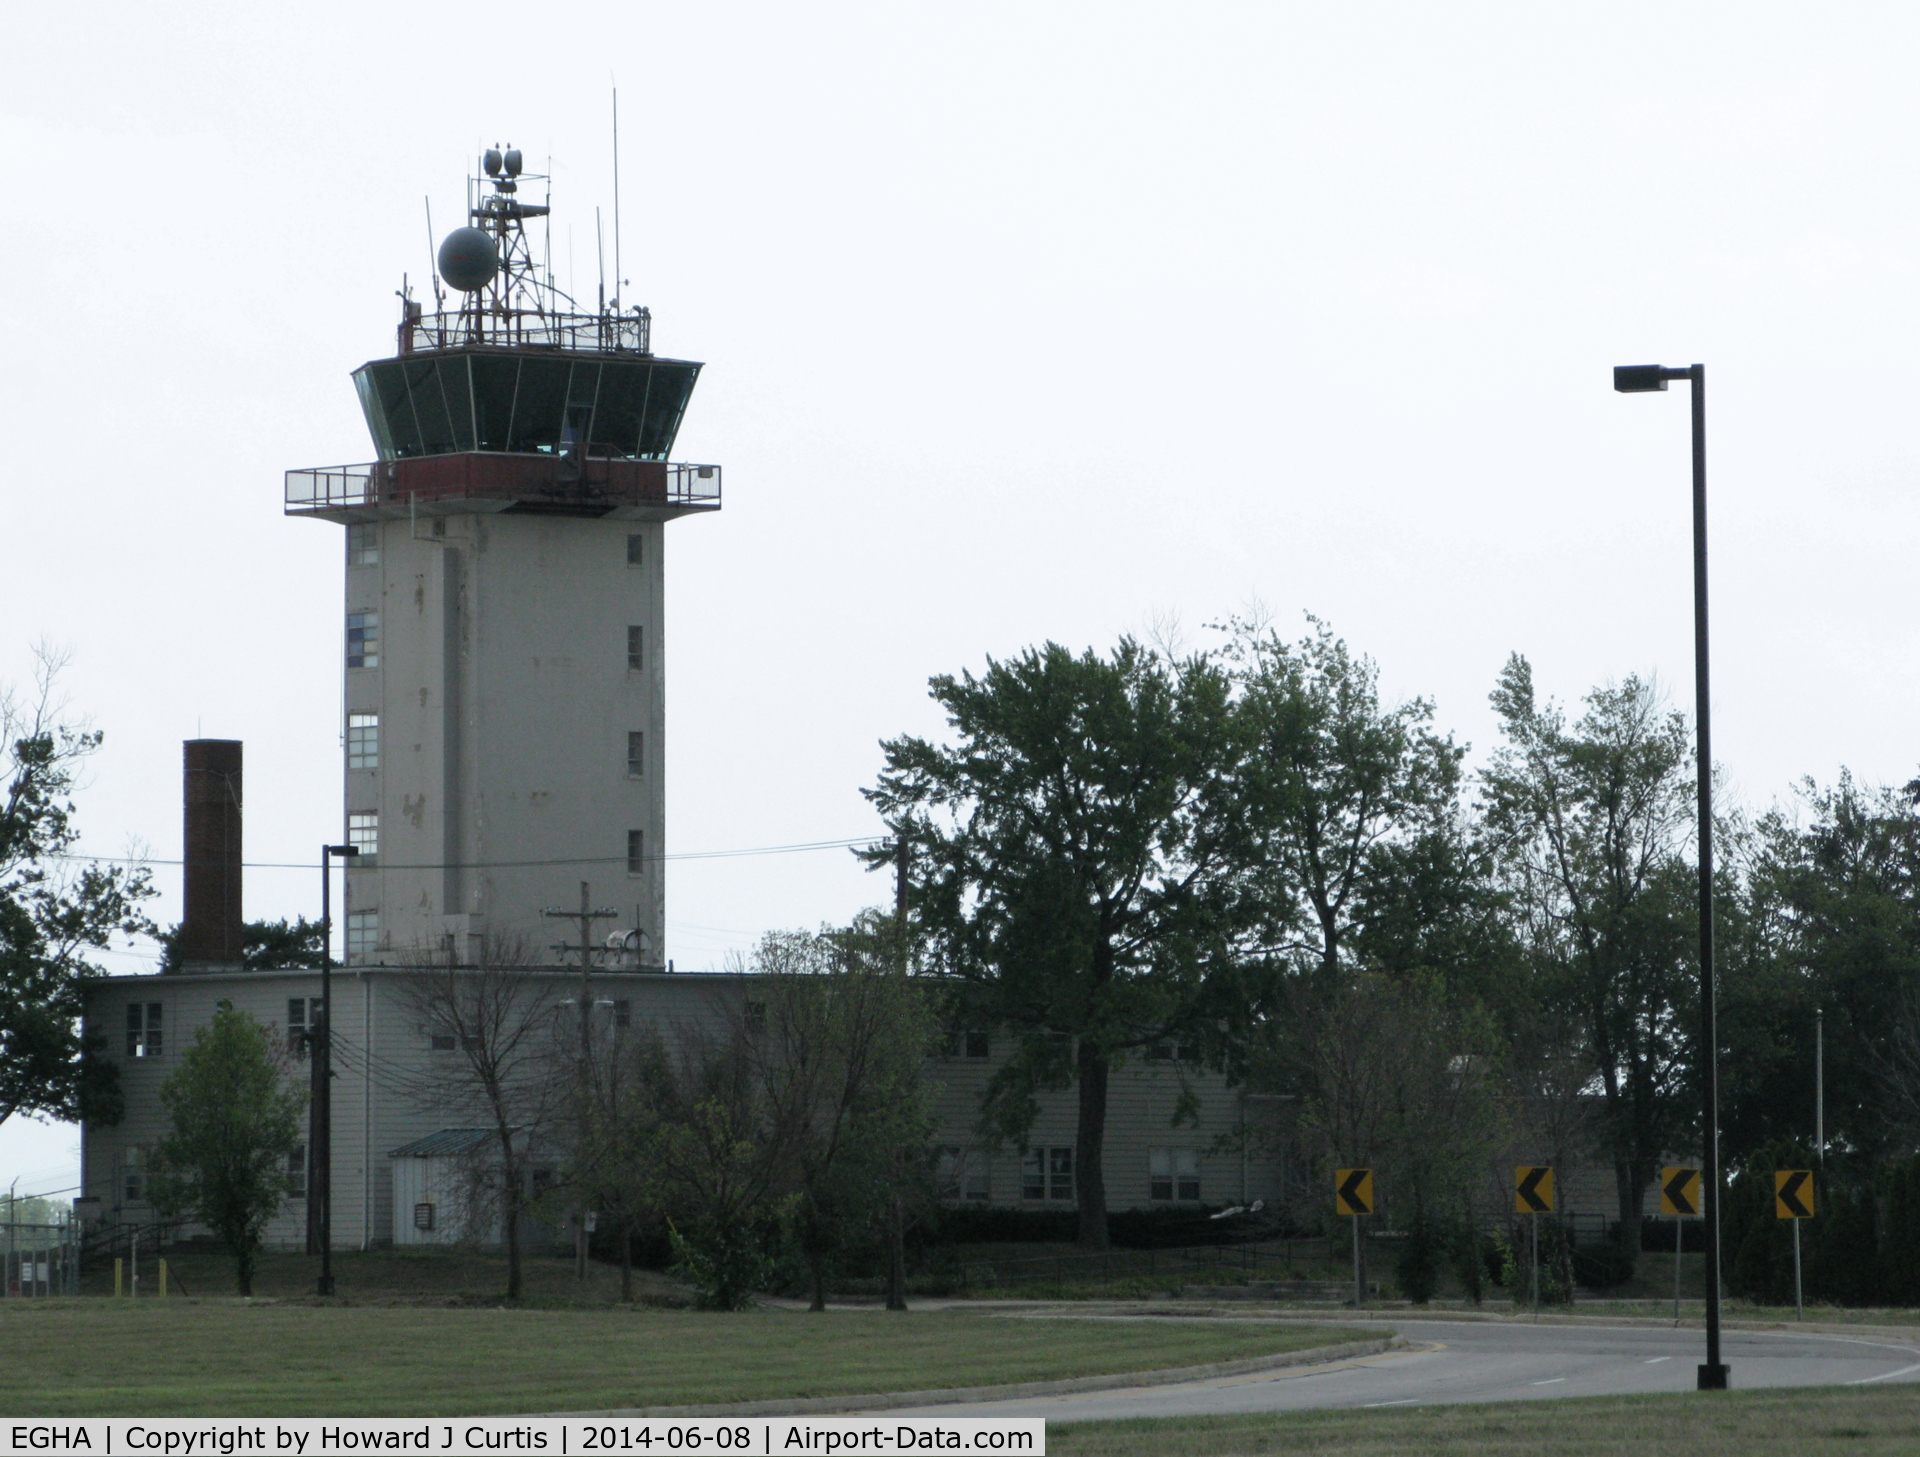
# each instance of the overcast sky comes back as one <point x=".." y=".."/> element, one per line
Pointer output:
<point x="1021" y="322"/>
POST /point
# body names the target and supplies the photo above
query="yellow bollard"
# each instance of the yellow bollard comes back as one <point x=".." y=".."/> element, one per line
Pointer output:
<point x="163" y="1279"/>
<point x="118" y="1266"/>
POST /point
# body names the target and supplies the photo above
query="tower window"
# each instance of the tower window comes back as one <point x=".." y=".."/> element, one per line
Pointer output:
<point x="363" y="833"/>
<point x="363" y="544"/>
<point x="363" y="639"/>
<point x="145" y="1036"/>
<point x="363" y="741"/>
<point x="636" y="551"/>
<point x="363" y="932"/>
<point x="636" y="754"/>
<point x="636" y="656"/>
<point x="636" y="852"/>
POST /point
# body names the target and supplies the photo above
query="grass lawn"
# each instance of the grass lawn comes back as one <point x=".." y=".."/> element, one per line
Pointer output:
<point x="193" y="1357"/>
<point x="1806" y="1422"/>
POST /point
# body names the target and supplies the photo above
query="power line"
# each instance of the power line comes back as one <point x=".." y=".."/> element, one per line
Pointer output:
<point x="385" y="864"/>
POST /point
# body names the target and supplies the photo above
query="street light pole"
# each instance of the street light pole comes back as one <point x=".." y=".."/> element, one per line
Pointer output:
<point x="1638" y="379"/>
<point x="320" y="1138"/>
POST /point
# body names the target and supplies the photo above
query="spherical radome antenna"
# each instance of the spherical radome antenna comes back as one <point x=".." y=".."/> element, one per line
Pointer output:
<point x="469" y="259"/>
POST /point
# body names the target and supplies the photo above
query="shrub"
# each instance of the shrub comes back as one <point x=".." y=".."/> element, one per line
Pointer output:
<point x="1604" y="1266"/>
<point x="1418" y="1265"/>
<point x="724" y="1264"/>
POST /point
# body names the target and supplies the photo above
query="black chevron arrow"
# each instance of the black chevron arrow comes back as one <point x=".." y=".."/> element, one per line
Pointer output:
<point x="1350" y="1191"/>
<point x="1789" y="1194"/>
<point x="1676" y="1190"/>
<point x="1529" y="1189"/>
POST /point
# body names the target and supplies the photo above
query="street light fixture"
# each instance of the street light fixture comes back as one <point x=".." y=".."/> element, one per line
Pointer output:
<point x="1633" y="379"/>
<point x="320" y="1133"/>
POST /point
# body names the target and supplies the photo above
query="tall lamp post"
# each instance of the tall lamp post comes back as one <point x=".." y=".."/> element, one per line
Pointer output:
<point x="1639" y="379"/>
<point x="320" y="1135"/>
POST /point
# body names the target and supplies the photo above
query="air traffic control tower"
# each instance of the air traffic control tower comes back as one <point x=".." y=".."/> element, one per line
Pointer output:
<point x="502" y="638"/>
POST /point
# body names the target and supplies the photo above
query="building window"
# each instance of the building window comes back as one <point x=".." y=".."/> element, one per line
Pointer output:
<point x="636" y="551"/>
<point x="363" y="639"/>
<point x="636" y="654"/>
<point x="363" y="741"/>
<point x="145" y="1035"/>
<point x="636" y="852"/>
<point x="756" y="1016"/>
<point x="303" y="1018"/>
<point x="363" y="544"/>
<point x="440" y="1041"/>
<point x="297" y="1172"/>
<point x="1173" y="1173"/>
<point x="1046" y="1173"/>
<point x="133" y="1175"/>
<point x="423" y="1216"/>
<point x="363" y="932"/>
<point x="636" y="754"/>
<point x="363" y="833"/>
<point x="978" y="1045"/>
<point x="623" y="1014"/>
<point x="1173" y="1052"/>
<point x="960" y="1173"/>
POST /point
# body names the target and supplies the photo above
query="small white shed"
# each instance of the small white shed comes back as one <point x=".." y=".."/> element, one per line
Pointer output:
<point x="445" y="1189"/>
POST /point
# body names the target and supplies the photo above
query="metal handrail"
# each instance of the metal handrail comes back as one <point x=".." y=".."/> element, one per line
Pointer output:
<point x="525" y="329"/>
<point x="370" y="483"/>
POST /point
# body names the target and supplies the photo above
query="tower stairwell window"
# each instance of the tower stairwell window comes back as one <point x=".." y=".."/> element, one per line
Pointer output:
<point x="636" y="649"/>
<point x="636" y="551"/>
<point x="363" y="639"/>
<point x="363" y="544"/>
<point x="636" y="754"/>
<point x="363" y="741"/>
<point x="363" y="933"/>
<point x="363" y="833"/>
<point x="636" y="852"/>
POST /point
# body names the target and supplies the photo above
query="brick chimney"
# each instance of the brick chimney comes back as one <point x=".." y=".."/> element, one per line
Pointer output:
<point x="210" y="930"/>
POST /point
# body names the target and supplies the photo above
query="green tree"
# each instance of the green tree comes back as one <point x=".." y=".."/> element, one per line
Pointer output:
<point x="1590" y="819"/>
<point x="233" y="1120"/>
<point x="1351" y="802"/>
<point x="1077" y="852"/>
<point x="1831" y="923"/>
<point x="264" y="945"/>
<point x="841" y="1052"/>
<point x="51" y="916"/>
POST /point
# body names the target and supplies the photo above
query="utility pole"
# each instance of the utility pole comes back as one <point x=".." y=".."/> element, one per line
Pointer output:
<point x="1819" y="1090"/>
<point x="320" y="1040"/>
<point x="897" y="1225"/>
<point x="584" y="917"/>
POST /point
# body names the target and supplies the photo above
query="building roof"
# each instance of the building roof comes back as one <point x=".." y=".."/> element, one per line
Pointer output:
<point x="446" y="1141"/>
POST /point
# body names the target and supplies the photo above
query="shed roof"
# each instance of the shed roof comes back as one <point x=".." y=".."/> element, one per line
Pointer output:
<point x="446" y="1141"/>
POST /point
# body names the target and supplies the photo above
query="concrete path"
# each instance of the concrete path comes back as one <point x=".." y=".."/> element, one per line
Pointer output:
<point x="1457" y="1361"/>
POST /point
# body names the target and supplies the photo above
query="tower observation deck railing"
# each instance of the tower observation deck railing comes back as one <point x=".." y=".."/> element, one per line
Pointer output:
<point x="525" y="329"/>
<point x="477" y="475"/>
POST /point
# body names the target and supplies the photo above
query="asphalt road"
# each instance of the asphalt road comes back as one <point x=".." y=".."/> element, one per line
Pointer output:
<point x="1456" y="1361"/>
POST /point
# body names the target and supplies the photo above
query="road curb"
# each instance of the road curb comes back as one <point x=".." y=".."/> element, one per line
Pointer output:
<point x="883" y="1401"/>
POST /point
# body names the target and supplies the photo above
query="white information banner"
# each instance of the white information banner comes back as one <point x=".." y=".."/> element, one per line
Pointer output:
<point x="822" y="1436"/>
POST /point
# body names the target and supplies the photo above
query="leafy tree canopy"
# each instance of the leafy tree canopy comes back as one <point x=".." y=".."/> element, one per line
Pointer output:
<point x="52" y="916"/>
<point x="234" y="1117"/>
